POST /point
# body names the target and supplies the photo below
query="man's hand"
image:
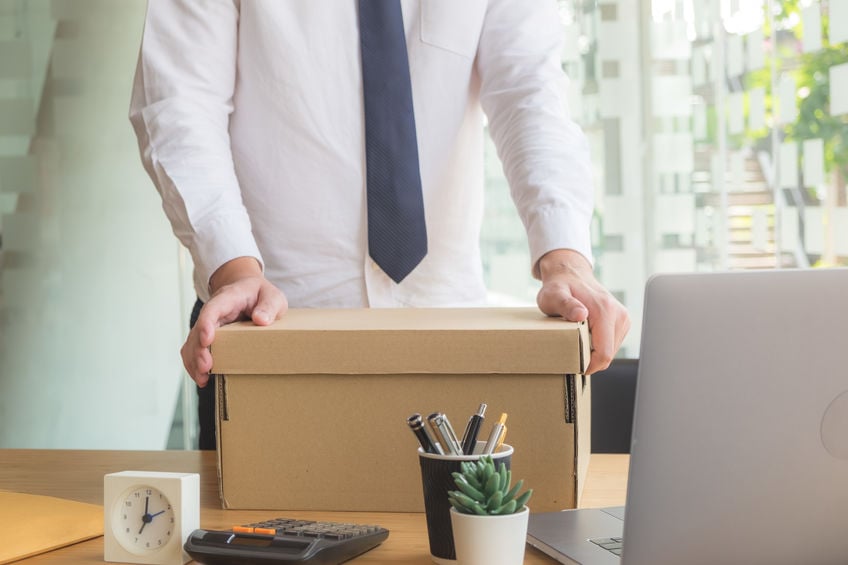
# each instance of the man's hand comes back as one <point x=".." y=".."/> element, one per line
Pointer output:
<point x="239" y="292"/>
<point x="570" y="290"/>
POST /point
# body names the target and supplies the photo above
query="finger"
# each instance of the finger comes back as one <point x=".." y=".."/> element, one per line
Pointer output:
<point x="573" y="310"/>
<point x="271" y="304"/>
<point x="190" y="355"/>
<point x="204" y="329"/>
<point x="603" y="344"/>
<point x="198" y="364"/>
<point x="197" y="358"/>
<point x="204" y="366"/>
<point x="188" y="359"/>
<point x="221" y="309"/>
<point x="622" y="328"/>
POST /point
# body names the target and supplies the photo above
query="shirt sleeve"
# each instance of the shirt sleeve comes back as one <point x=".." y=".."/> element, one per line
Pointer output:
<point x="181" y="103"/>
<point x="545" y="155"/>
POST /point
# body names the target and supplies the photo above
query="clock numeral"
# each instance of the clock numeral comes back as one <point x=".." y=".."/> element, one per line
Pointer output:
<point x="128" y="503"/>
<point x="127" y="530"/>
<point x="147" y="544"/>
<point x="160" y="542"/>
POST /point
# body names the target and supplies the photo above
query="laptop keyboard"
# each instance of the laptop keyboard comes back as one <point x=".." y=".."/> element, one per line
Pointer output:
<point x="612" y="545"/>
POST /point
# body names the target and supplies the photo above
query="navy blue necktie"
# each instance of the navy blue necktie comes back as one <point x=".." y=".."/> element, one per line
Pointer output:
<point x="397" y="234"/>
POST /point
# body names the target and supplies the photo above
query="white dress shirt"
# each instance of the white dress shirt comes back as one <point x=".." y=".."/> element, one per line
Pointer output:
<point x="250" y="121"/>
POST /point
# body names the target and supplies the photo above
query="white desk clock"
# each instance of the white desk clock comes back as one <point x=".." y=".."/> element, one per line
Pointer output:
<point x="147" y="516"/>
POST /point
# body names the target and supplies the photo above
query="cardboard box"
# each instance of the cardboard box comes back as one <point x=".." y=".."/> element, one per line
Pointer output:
<point x="311" y="411"/>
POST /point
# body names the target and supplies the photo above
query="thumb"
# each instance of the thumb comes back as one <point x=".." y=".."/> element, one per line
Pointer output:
<point x="270" y="305"/>
<point x="558" y="301"/>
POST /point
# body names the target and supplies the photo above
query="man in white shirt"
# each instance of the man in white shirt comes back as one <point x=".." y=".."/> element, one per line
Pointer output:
<point x="249" y="116"/>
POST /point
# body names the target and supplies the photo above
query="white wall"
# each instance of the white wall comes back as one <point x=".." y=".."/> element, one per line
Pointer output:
<point x="92" y="309"/>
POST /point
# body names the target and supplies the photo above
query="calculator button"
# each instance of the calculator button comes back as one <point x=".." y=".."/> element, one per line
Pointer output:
<point x="266" y="531"/>
<point x="242" y="530"/>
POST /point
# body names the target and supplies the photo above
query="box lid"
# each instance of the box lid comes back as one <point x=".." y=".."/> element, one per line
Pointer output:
<point x="404" y="340"/>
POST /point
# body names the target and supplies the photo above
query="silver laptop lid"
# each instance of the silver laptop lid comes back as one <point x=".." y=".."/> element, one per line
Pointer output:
<point x="740" y="438"/>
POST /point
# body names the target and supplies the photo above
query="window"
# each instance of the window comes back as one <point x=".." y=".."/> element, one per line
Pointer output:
<point x="718" y="135"/>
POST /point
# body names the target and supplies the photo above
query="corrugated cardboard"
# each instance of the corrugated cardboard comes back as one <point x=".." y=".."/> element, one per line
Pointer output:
<point x="312" y="410"/>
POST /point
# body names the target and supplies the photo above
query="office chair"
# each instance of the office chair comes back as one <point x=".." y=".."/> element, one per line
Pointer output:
<point x="613" y="399"/>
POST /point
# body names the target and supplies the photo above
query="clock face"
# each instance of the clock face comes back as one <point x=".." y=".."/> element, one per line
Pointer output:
<point x="143" y="519"/>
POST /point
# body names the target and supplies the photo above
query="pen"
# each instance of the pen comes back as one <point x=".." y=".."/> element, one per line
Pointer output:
<point x="497" y="436"/>
<point x="444" y="432"/>
<point x="469" y="438"/>
<point x="416" y="424"/>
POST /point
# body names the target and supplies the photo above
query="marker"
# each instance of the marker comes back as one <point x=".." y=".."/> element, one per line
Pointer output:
<point x="443" y="430"/>
<point x="469" y="438"/>
<point x="497" y="436"/>
<point x="428" y="444"/>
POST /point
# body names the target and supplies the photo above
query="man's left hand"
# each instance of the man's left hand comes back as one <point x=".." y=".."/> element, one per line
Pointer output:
<point x="570" y="290"/>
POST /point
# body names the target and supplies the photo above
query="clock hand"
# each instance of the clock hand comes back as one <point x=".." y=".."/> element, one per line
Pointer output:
<point x="154" y="515"/>
<point x="147" y="518"/>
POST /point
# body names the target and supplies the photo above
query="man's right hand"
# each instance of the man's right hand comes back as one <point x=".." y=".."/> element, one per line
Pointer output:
<point x="239" y="292"/>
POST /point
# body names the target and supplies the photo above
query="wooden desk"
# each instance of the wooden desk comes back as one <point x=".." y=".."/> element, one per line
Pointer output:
<point x="78" y="475"/>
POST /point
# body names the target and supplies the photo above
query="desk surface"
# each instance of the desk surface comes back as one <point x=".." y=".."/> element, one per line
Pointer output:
<point x="78" y="475"/>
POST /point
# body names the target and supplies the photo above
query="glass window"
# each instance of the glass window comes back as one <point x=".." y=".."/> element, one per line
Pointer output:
<point x="718" y="138"/>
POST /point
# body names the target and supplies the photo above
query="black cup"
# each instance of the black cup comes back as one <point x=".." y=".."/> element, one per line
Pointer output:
<point x="437" y="481"/>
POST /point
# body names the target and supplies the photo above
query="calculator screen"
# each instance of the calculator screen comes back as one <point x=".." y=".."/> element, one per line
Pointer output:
<point x="260" y="542"/>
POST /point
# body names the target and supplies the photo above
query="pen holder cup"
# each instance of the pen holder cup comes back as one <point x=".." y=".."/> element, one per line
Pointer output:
<point x="437" y="481"/>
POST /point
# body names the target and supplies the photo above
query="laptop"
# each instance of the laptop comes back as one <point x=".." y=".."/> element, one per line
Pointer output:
<point x="740" y="435"/>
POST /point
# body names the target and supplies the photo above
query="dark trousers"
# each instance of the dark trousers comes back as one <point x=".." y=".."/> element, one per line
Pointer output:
<point x="205" y="398"/>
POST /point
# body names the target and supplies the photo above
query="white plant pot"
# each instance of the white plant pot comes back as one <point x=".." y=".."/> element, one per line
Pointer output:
<point x="490" y="540"/>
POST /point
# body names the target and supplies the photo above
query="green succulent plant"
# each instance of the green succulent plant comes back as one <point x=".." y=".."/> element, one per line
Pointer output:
<point x="485" y="491"/>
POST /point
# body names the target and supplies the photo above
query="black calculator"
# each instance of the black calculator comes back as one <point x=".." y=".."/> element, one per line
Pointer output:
<point x="284" y="540"/>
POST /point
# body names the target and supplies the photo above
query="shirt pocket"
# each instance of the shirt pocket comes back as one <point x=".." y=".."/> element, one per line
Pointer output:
<point x="453" y="25"/>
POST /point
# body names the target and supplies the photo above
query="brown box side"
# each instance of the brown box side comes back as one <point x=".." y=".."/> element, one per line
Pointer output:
<point x="340" y="442"/>
<point x="583" y="436"/>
